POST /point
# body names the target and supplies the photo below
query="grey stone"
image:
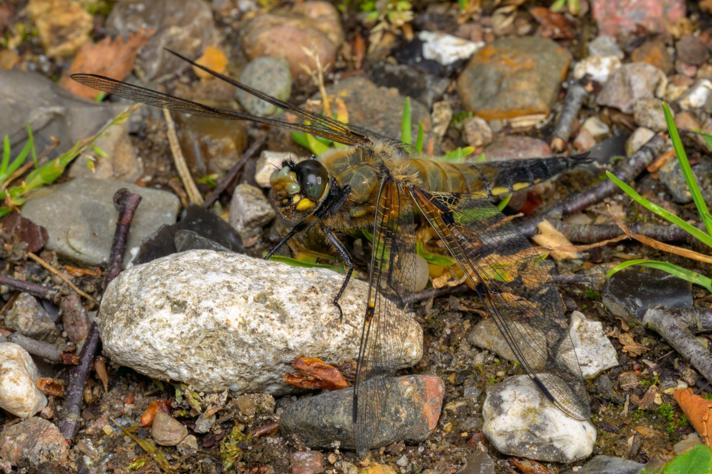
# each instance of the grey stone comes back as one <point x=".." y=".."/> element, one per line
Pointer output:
<point x="408" y="408"/>
<point x="28" y="317"/>
<point x="610" y="465"/>
<point x="487" y="335"/>
<point x="637" y="139"/>
<point x="631" y="83"/>
<point x="217" y="320"/>
<point x="35" y="442"/>
<point x="250" y="210"/>
<point x="479" y="462"/>
<point x="605" y="46"/>
<point x="521" y="421"/>
<point x="594" y="352"/>
<point x="120" y="162"/>
<point x="648" y="113"/>
<point x="166" y="430"/>
<point x="185" y="26"/>
<point x="18" y="375"/>
<point x="81" y="219"/>
<point x="269" y="75"/>
<point x="516" y="147"/>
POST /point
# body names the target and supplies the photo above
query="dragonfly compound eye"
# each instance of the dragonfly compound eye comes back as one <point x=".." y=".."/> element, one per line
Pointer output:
<point x="313" y="178"/>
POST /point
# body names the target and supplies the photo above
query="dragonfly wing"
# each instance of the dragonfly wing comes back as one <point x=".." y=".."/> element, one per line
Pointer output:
<point x="515" y="283"/>
<point x="390" y="279"/>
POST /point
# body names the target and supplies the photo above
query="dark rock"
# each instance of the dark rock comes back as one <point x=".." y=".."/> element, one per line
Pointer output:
<point x="195" y="219"/>
<point x="185" y="240"/>
<point x="409" y="412"/>
<point x="29" y="99"/>
<point x="654" y="52"/>
<point x="631" y="83"/>
<point x="618" y="17"/>
<point x="185" y="26"/>
<point x="514" y="77"/>
<point x="28" y="317"/>
<point x="310" y="25"/>
<point x="629" y="293"/>
<point x="410" y="82"/>
<point x="269" y="75"/>
<point x="81" y="219"/>
<point x="377" y="108"/>
<point x="610" y="465"/>
<point x="33" y="441"/>
<point x="691" y="50"/>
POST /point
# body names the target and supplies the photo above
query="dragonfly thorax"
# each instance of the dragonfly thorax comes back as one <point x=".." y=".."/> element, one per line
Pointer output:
<point x="299" y="189"/>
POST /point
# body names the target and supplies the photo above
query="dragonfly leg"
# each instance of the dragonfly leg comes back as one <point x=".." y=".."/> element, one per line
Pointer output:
<point x="346" y="257"/>
<point x="300" y="227"/>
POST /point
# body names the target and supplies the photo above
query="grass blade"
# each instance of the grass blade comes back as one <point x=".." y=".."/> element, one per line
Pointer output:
<point x="692" y="184"/>
<point x="420" y="140"/>
<point x="5" y="155"/>
<point x="675" y="270"/>
<point x="662" y="212"/>
<point x="405" y="123"/>
<point x="31" y="141"/>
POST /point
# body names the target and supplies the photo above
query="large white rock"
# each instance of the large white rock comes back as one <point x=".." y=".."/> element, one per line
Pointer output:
<point x="220" y="320"/>
<point x="18" y="375"/>
<point x="520" y="421"/>
<point x="594" y="351"/>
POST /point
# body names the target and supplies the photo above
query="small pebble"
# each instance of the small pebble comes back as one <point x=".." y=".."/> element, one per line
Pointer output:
<point x="307" y="462"/>
<point x="166" y="430"/>
<point x="29" y="318"/>
<point x="188" y="446"/>
<point x="477" y="132"/>
<point x="605" y="46"/>
<point x="250" y="210"/>
<point x="690" y="49"/>
<point x="269" y="162"/>
<point x="267" y="74"/>
<point x="697" y="96"/>
<point x="18" y="392"/>
<point x="447" y="49"/>
<point x="637" y="139"/>
<point x="648" y="113"/>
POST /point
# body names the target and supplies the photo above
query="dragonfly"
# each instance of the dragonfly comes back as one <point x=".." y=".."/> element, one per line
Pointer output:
<point x="376" y="184"/>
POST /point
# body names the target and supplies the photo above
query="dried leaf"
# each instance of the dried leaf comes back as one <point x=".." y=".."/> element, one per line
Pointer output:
<point x="631" y="347"/>
<point x="529" y="466"/>
<point x="16" y="229"/>
<point x="551" y="239"/>
<point x="101" y="372"/>
<point x="314" y="373"/>
<point x="154" y="407"/>
<point x="213" y="58"/>
<point x="109" y="57"/>
<point x="50" y="386"/>
<point x="78" y="272"/>
<point x="698" y="410"/>
<point x="553" y="25"/>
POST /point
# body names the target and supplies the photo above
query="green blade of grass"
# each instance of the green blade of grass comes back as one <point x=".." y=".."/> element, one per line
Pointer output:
<point x="690" y="178"/>
<point x="662" y="212"/>
<point x="675" y="270"/>
<point x="31" y="141"/>
<point x="421" y="138"/>
<point x="405" y="123"/>
<point x="501" y="205"/>
<point x="5" y="155"/>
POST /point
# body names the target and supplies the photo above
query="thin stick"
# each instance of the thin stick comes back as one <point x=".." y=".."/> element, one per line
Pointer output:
<point x="578" y="91"/>
<point x="231" y="175"/>
<point x="31" y="288"/>
<point x="126" y="204"/>
<point x="45" y="350"/>
<point x="44" y="264"/>
<point x="179" y="160"/>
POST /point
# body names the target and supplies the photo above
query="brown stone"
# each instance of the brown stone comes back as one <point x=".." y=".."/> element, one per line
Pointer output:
<point x="63" y="25"/>
<point x="33" y="441"/>
<point x="654" y="52"/>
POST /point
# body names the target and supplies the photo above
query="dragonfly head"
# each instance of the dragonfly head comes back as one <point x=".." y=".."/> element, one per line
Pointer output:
<point x="299" y="188"/>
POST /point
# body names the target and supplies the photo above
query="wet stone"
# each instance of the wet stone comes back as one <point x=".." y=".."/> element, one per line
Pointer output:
<point x="219" y="321"/>
<point x="411" y="412"/>
<point x="18" y="393"/>
<point x="630" y="293"/>
<point x="32" y="442"/>
<point x="691" y="50"/>
<point x="409" y="81"/>
<point x="80" y="217"/>
<point x="631" y="83"/>
<point x="654" y="52"/>
<point x="28" y="317"/>
<point x="618" y="17"/>
<point x="311" y="25"/>
<point x="374" y="107"/>
<point x="250" y="211"/>
<point x="307" y="462"/>
<point x="648" y="113"/>
<point x="514" y="77"/>
<point x="166" y="430"/>
<point x="185" y="26"/>
<point x="611" y="465"/>
<point x="521" y="421"/>
<point x="269" y="75"/>
<point x="210" y="145"/>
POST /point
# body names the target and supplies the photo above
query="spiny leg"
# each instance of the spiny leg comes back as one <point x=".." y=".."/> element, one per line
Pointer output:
<point x="348" y="263"/>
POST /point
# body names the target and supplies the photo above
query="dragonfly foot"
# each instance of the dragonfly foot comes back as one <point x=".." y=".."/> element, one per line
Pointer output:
<point x="341" y="313"/>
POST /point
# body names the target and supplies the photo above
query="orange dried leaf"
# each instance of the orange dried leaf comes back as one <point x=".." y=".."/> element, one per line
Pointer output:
<point x="314" y="373"/>
<point x="698" y="410"/>
<point x="154" y="407"/>
<point x="82" y="272"/>
<point x="101" y="372"/>
<point x="50" y="386"/>
<point x="213" y="58"/>
<point x="109" y="57"/>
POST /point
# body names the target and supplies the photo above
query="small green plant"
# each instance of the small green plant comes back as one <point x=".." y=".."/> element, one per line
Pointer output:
<point x="697" y="460"/>
<point x="12" y="197"/>
<point x="384" y="13"/>
<point x="573" y="6"/>
<point x="704" y="236"/>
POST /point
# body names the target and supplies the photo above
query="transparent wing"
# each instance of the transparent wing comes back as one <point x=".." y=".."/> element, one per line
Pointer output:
<point x="390" y="278"/>
<point x="515" y="284"/>
<point x="309" y="122"/>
